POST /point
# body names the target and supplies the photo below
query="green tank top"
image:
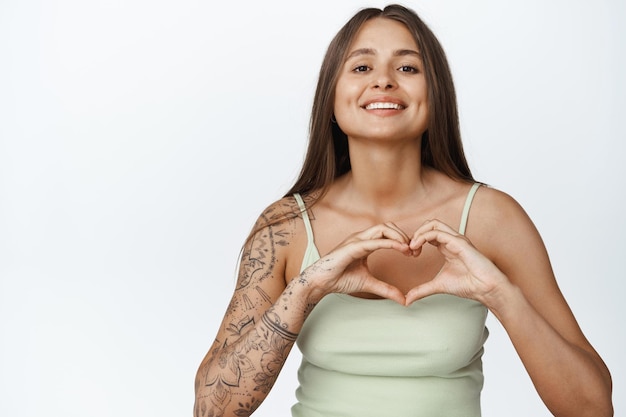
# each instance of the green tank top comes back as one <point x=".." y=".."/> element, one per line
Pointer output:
<point x="363" y="357"/>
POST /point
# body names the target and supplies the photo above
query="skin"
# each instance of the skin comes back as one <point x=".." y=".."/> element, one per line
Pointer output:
<point x="390" y="232"/>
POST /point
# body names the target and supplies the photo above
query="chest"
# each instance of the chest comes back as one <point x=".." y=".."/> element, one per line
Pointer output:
<point x="401" y="271"/>
<point x="434" y="336"/>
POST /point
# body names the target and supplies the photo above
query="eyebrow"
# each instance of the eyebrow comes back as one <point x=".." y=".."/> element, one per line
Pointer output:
<point x="371" y="51"/>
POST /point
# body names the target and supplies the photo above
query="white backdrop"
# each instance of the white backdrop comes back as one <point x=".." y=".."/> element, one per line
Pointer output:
<point x="140" y="139"/>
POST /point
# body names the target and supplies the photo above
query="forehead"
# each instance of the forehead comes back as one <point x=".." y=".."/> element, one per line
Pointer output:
<point x="382" y="33"/>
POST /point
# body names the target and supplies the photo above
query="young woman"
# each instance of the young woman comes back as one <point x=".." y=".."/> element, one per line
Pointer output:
<point x="384" y="258"/>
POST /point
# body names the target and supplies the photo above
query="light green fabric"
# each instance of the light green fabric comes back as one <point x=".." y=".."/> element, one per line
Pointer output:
<point x="311" y="253"/>
<point x="376" y="358"/>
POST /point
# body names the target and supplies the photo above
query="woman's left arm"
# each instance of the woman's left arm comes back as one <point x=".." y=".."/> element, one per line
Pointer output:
<point x="506" y="267"/>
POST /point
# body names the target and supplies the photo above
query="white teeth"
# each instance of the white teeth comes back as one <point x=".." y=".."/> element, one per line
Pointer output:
<point x="378" y="105"/>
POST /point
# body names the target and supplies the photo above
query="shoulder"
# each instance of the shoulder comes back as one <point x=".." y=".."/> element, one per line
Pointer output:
<point x="276" y="223"/>
<point x="278" y="236"/>
<point x="279" y="211"/>
<point x="500" y="227"/>
<point x="496" y="206"/>
<point x="286" y="209"/>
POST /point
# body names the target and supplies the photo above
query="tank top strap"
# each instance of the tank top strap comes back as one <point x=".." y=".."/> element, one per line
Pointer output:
<point x="311" y="254"/>
<point x="466" y="208"/>
<point x="305" y="217"/>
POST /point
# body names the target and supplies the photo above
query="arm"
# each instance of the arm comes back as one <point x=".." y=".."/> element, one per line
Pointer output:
<point x="265" y="314"/>
<point x="253" y="341"/>
<point x="514" y="279"/>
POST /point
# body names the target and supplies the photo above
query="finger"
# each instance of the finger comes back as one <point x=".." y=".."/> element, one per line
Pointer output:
<point x="386" y="230"/>
<point x="449" y="245"/>
<point x="362" y="248"/>
<point x="395" y="227"/>
<point x="382" y="289"/>
<point x="416" y="243"/>
<point x="421" y="291"/>
<point x="435" y="224"/>
<point x="435" y="232"/>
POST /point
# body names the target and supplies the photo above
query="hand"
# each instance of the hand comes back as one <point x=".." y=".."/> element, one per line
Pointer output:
<point x="466" y="272"/>
<point x="344" y="270"/>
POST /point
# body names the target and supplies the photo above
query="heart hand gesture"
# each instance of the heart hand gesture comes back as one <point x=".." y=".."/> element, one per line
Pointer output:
<point x="344" y="270"/>
<point x="466" y="273"/>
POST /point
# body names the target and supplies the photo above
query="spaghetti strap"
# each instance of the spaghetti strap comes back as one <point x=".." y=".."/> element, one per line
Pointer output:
<point x="466" y="208"/>
<point x="311" y="254"/>
<point x="305" y="217"/>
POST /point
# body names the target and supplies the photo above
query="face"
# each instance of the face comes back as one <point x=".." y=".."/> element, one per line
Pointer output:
<point x="381" y="90"/>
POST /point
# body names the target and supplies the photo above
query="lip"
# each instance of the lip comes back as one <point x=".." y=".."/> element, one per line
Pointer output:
<point x="384" y="99"/>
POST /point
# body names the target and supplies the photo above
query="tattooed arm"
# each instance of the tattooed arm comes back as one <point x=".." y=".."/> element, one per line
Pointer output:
<point x="265" y="314"/>
<point x="259" y="327"/>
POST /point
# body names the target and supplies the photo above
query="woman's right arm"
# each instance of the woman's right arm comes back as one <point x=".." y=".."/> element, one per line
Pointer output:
<point x="258" y="328"/>
<point x="265" y="314"/>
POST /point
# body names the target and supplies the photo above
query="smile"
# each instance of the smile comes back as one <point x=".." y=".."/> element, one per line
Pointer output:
<point x="381" y="105"/>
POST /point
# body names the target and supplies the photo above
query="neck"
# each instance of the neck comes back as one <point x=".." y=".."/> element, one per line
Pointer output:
<point x="385" y="177"/>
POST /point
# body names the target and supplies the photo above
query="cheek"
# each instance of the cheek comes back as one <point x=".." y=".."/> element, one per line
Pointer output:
<point x="421" y="98"/>
<point x="346" y="99"/>
<point x="347" y="89"/>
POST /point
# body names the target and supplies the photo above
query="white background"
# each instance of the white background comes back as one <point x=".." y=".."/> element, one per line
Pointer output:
<point x="140" y="139"/>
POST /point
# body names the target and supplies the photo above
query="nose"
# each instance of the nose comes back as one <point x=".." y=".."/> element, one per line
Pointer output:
<point x="384" y="79"/>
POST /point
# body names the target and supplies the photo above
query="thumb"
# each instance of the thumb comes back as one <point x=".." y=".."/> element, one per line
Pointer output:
<point x="421" y="291"/>
<point x="375" y="286"/>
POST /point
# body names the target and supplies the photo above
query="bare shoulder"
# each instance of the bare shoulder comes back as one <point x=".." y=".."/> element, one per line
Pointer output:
<point x="500" y="227"/>
<point x="271" y="234"/>
<point x="496" y="206"/>
<point x="493" y="208"/>
<point x="279" y="211"/>
<point x="275" y="243"/>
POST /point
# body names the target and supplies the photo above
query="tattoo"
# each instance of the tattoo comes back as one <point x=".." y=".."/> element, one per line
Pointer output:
<point x="241" y="327"/>
<point x="308" y="308"/>
<point x="316" y="267"/>
<point x="263" y="294"/>
<point x="247" y="408"/>
<point x="259" y="257"/>
<point x="258" y="261"/>
<point x="247" y="303"/>
<point x="275" y="324"/>
<point x="231" y="363"/>
<point x="229" y="366"/>
<point x="213" y="402"/>
<point x="279" y="340"/>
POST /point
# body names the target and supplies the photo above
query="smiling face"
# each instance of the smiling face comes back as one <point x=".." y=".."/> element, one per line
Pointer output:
<point x="381" y="91"/>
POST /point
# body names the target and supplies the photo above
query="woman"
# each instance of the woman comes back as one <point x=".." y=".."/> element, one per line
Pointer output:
<point x="391" y="317"/>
